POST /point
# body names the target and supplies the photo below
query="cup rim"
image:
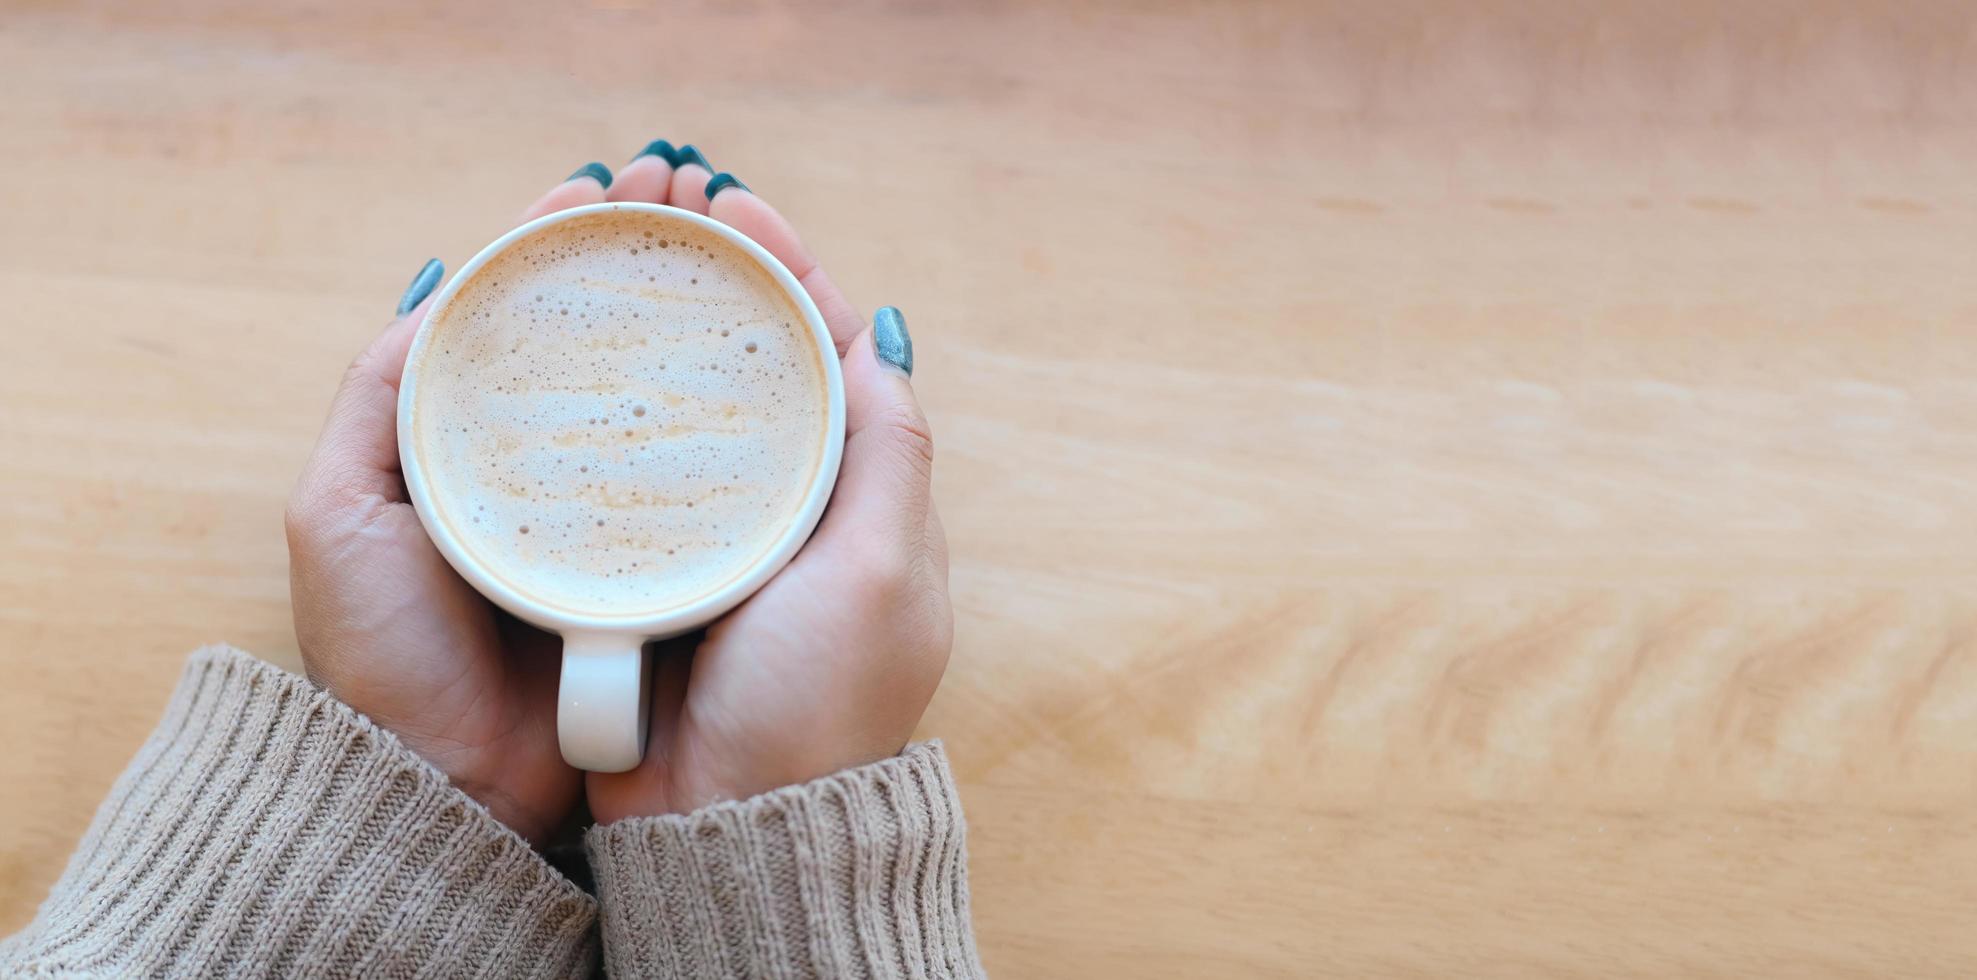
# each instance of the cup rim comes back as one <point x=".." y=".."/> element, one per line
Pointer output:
<point x="678" y="619"/>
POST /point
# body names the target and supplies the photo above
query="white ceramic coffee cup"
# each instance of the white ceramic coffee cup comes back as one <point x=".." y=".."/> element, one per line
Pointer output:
<point x="602" y="709"/>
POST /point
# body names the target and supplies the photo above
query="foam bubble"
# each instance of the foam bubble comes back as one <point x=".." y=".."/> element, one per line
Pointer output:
<point x="512" y="406"/>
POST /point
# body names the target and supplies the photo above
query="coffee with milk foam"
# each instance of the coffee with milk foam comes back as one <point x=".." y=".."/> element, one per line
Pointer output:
<point x="620" y="414"/>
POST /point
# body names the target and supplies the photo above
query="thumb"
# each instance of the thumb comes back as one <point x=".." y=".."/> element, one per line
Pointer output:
<point x="884" y="487"/>
<point x="357" y="454"/>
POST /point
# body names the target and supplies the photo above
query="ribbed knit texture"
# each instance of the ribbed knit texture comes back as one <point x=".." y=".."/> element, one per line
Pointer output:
<point x="266" y="829"/>
<point x="860" y="874"/>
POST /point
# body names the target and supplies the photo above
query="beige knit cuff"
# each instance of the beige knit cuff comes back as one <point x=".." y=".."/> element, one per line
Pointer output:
<point x="860" y="874"/>
<point x="267" y="829"/>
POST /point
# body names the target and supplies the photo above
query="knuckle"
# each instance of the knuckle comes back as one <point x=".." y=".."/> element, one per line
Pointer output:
<point x="293" y="522"/>
<point x="303" y="516"/>
<point x="367" y="371"/>
<point x="358" y="373"/>
<point x="898" y="586"/>
<point x="906" y="432"/>
<point x="927" y="618"/>
<point x="319" y="493"/>
<point x="882" y="576"/>
<point x="325" y="505"/>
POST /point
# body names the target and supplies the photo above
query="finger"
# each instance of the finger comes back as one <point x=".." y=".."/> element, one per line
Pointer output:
<point x="649" y="177"/>
<point x="357" y="454"/>
<point x="691" y="172"/>
<point x="884" y="488"/>
<point x="734" y="205"/>
<point x="585" y="185"/>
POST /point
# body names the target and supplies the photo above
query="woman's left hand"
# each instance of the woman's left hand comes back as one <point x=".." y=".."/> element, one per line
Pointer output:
<point x="387" y="626"/>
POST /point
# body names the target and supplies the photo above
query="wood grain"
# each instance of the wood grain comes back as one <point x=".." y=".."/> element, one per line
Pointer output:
<point x="1435" y="488"/>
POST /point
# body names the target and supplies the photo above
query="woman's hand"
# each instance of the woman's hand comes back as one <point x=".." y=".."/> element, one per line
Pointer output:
<point x="832" y="663"/>
<point x="829" y="666"/>
<point x="387" y="626"/>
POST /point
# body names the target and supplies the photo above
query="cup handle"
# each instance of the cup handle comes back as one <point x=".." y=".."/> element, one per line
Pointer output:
<point x="604" y="701"/>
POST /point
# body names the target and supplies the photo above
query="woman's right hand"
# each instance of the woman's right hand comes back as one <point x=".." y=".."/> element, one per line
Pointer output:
<point x="831" y="664"/>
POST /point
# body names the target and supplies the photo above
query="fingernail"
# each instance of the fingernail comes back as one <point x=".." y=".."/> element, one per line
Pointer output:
<point x="891" y="341"/>
<point x="661" y="149"/>
<point x="595" y="171"/>
<point x="691" y="154"/>
<point x="422" y="286"/>
<point x="723" y="181"/>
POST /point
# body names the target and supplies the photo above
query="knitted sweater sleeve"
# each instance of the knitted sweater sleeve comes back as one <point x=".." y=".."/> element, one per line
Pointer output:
<point x="859" y="874"/>
<point x="266" y="829"/>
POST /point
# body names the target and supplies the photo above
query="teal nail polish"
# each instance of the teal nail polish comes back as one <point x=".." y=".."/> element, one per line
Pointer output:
<point x="422" y="286"/>
<point x="891" y="341"/>
<point x="723" y="181"/>
<point x="661" y="149"/>
<point x="691" y="154"/>
<point x="595" y="171"/>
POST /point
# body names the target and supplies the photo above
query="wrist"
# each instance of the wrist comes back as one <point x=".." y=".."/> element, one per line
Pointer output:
<point x="487" y="776"/>
<point x="699" y="787"/>
<point x="503" y="806"/>
<point x="513" y="771"/>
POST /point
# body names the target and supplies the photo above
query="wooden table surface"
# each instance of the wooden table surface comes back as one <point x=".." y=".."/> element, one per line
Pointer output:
<point x="1435" y="488"/>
